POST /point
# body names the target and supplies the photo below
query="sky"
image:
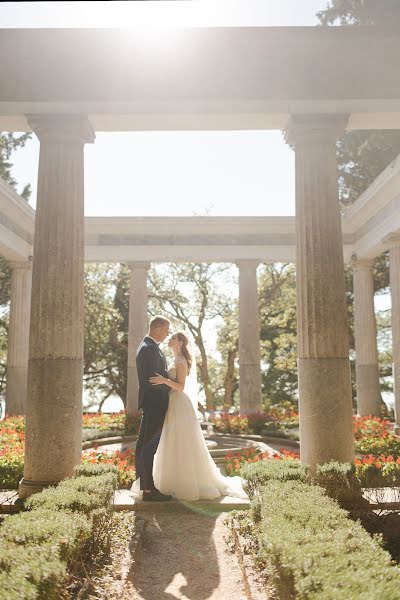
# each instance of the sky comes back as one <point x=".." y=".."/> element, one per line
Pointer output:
<point x="234" y="173"/>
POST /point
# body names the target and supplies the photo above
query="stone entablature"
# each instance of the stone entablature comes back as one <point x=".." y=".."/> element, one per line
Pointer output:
<point x="222" y="78"/>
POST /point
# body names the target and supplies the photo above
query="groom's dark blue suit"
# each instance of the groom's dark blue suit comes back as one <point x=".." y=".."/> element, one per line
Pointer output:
<point x="153" y="400"/>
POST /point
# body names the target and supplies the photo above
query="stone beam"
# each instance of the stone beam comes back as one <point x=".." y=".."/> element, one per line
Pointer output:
<point x="200" y="78"/>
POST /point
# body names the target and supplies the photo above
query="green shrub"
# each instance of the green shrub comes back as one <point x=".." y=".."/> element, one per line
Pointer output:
<point x="339" y="480"/>
<point x="39" y="565"/>
<point x="88" y="470"/>
<point x="63" y="524"/>
<point x="260" y="473"/>
<point x="83" y="494"/>
<point x="16" y="587"/>
<point x="11" y="470"/>
<point x="316" y="551"/>
<point x="67" y="532"/>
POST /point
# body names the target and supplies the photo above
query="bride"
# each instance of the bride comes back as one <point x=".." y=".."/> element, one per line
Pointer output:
<point x="183" y="467"/>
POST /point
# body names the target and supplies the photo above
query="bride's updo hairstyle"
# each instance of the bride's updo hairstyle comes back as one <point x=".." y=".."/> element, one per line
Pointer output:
<point x="184" y="348"/>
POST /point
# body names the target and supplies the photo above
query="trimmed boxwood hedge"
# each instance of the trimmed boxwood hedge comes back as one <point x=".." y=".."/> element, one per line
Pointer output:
<point x="62" y="524"/>
<point x="315" y="551"/>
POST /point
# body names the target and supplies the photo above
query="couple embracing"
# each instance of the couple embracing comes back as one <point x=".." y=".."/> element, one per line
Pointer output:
<point x="172" y="458"/>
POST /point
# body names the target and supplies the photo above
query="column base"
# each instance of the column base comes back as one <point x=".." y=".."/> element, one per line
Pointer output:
<point x="368" y="390"/>
<point x="326" y="415"/>
<point x="27" y="487"/>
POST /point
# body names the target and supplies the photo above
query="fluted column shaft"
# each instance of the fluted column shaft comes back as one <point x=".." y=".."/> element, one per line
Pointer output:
<point x="18" y="337"/>
<point x="249" y="339"/>
<point x="326" y="431"/>
<point x="55" y="371"/>
<point x="367" y="368"/>
<point x="138" y="325"/>
<point x="394" y="270"/>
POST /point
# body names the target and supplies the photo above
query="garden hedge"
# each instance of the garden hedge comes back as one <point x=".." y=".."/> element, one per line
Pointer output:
<point x="314" y="550"/>
<point x="62" y="525"/>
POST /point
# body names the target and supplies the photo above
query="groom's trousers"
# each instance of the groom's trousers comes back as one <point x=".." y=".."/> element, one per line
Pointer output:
<point x="144" y="463"/>
<point x="146" y="447"/>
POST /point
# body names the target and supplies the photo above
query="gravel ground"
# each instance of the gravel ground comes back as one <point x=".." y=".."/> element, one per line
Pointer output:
<point x="185" y="557"/>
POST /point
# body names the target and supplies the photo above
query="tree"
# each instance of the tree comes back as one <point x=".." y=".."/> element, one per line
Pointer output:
<point x="189" y="295"/>
<point x="360" y="12"/>
<point x="102" y="345"/>
<point x="277" y="300"/>
<point x="9" y="143"/>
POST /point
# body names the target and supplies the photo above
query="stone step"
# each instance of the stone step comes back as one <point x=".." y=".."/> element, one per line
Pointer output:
<point x="124" y="500"/>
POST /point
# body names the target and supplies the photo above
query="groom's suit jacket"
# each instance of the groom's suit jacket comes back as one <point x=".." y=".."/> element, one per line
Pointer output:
<point x="153" y="399"/>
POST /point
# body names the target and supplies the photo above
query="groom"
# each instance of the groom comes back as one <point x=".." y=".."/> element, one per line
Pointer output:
<point x="153" y="400"/>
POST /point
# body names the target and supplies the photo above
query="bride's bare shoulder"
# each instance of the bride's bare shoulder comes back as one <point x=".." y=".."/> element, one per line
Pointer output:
<point x="180" y="360"/>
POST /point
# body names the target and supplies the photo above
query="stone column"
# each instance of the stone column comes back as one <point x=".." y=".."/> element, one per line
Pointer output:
<point x="54" y="407"/>
<point x="138" y="326"/>
<point x="18" y="337"/>
<point x="393" y="242"/>
<point x="367" y="369"/>
<point x="325" y="401"/>
<point x="249" y="338"/>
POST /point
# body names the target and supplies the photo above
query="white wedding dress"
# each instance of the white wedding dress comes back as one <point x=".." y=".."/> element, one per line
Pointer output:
<point x="183" y="466"/>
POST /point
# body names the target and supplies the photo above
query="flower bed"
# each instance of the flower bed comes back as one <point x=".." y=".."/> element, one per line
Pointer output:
<point x="235" y="461"/>
<point x="256" y="423"/>
<point x="373" y="436"/>
<point x="124" y="461"/>
<point x="117" y="422"/>
<point x="380" y="468"/>
<point x="12" y="440"/>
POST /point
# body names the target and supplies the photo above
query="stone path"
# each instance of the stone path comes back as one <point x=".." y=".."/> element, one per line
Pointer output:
<point x="123" y="500"/>
<point x="184" y="556"/>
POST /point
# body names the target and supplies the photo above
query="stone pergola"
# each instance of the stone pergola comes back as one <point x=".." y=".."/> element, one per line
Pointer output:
<point x="312" y="83"/>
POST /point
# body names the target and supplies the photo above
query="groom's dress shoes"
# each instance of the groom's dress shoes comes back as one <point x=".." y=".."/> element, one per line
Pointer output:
<point x="155" y="496"/>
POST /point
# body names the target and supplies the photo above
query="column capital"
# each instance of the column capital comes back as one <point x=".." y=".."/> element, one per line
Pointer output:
<point x="392" y="240"/>
<point x="315" y="129"/>
<point x="139" y="264"/>
<point x="23" y="265"/>
<point x="62" y="128"/>
<point x="361" y="264"/>
<point x="247" y="264"/>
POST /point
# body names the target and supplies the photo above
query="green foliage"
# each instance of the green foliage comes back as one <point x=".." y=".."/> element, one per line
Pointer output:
<point x="191" y="295"/>
<point x="105" y="343"/>
<point x="39" y="565"/>
<point x="9" y="142"/>
<point x="87" y="470"/>
<point x="316" y="551"/>
<point x="11" y="469"/>
<point x="39" y="547"/>
<point x="67" y="532"/>
<point x="83" y="494"/>
<point x="261" y="473"/>
<point x="339" y="480"/>
<point x="277" y="301"/>
<point x="361" y="12"/>
<point x="387" y="445"/>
